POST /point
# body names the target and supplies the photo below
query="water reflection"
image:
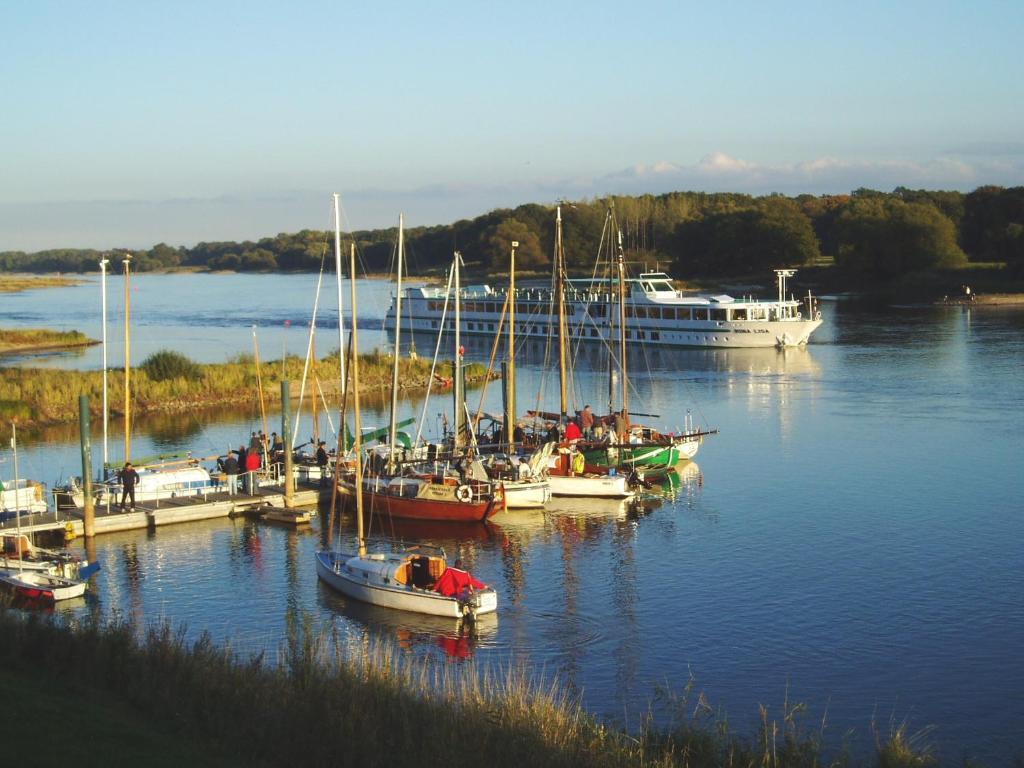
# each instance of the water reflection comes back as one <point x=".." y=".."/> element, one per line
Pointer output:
<point x="594" y="357"/>
<point x="454" y="638"/>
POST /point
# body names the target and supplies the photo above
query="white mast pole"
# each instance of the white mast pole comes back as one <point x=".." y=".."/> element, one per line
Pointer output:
<point x="17" y="504"/>
<point x="127" y="360"/>
<point x="457" y="389"/>
<point x="337" y="265"/>
<point x="103" y="290"/>
<point x="393" y="431"/>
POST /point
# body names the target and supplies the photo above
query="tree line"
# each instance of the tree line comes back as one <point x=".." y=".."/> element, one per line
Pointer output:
<point x="869" y="234"/>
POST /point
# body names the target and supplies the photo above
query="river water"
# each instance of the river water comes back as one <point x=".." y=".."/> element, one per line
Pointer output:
<point x="853" y="538"/>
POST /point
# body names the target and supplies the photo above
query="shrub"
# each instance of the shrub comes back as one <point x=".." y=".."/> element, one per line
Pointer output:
<point x="165" y="364"/>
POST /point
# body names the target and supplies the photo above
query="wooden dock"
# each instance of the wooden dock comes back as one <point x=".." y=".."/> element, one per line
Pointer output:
<point x="160" y="512"/>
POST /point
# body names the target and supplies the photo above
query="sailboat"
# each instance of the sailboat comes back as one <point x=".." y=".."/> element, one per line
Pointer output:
<point x="564" y="479"/>
<point x="417" y="579"/>
<point x="635" y="448"/>
<point x="524" y="487"/>
<point x="31" y="583"/>
<point x="403" y="485"/>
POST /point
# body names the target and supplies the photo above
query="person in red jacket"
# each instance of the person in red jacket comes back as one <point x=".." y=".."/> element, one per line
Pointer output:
<point x="252" y="463"/>
<point x="572" y="431"/>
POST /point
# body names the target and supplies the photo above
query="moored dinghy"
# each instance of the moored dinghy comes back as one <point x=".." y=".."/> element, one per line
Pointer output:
<point x="37" y="585"/>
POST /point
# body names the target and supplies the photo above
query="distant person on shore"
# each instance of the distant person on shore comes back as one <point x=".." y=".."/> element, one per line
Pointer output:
<point x="128" y="478"/>
<point x="231" y="473"/>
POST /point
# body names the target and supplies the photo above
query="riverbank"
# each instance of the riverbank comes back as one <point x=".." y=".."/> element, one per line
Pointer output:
<point x="328" y="702"/>
<point x="40" y="397"/>
<point x="986" y="299"/>
<point x="20" y="340"/>
<point x="13" y="283"/>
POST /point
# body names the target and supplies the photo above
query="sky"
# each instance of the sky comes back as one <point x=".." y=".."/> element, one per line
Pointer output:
<point x="126" y="124"/>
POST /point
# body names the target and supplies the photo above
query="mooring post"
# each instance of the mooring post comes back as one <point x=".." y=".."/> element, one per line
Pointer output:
<point x="286" y="436"/>
<point x="89" y="513"/>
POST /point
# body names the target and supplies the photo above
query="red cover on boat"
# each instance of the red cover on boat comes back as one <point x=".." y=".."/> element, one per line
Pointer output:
<point x="454" y="581"/>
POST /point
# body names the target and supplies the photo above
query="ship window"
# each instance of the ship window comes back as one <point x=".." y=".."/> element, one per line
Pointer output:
<point x="655" y="336"/>
<point x="593" y="332"/>
<point x="739" y="314"/>
<point x="433" y="323"/>
<point x="641" y="335"/>
<point x="490" y="326"/>
<point x="630" y="312"/>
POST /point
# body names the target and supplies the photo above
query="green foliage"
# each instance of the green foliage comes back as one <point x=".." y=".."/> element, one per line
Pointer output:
<point x="993" y="226"/>
<point x="882" y="237"/>
<point x="773" y="232"/>
<point x="877" y="234"/>
<point x="498" y="242"/>
<point x="167" y="364"/>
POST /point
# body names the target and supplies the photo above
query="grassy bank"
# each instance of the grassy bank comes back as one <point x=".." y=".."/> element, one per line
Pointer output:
<point x="15" y="283"/>
<point x="41" y="396"/>
<point x="332" y="702"/>
<point x="31" y="339"/>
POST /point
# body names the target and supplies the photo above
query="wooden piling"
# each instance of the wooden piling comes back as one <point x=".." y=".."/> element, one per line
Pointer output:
<point x="89" y="511"/>
<point x="286" y="436"/>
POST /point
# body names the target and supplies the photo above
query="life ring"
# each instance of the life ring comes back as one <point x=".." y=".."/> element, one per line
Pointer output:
<point x="464" y="494"/>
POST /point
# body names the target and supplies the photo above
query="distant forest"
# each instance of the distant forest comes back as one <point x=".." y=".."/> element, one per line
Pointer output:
<point x="868" y="235"/>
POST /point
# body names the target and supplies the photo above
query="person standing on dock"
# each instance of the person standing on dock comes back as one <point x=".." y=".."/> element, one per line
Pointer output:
<point x="128" y="478"/>
<point x="231" y="473"/>
<point x="321" y="461"/>
<point x="252" y="464"/>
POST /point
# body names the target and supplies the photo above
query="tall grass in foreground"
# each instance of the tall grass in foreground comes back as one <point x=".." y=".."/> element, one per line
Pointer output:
<point x="333" y="701"/>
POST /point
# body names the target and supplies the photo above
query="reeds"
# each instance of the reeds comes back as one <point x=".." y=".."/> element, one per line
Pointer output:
<point x="51" y="396"/>
<point x="330" y="700"/>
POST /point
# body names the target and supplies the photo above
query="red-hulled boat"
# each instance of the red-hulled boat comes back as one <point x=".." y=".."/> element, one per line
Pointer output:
<point x="433" y="497"/>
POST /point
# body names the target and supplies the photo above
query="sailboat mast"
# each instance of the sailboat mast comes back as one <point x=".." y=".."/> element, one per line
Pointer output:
<point x="337" y="267"/>
<point x="393" y="431"/>
<point x="560" y="291"/>
<point x="457" y="387"/>
<point x="621" y="265"/>
<point x="358" y="446"/>
<point x="17" y="505"/>
<point x="106" y="406"/>
<point x="127" y="362"/>
<point x="259" y="389"/>
<point x="510" y="384"/>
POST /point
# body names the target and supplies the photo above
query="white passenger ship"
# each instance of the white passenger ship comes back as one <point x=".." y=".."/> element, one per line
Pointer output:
<point x="656" y="313"/>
